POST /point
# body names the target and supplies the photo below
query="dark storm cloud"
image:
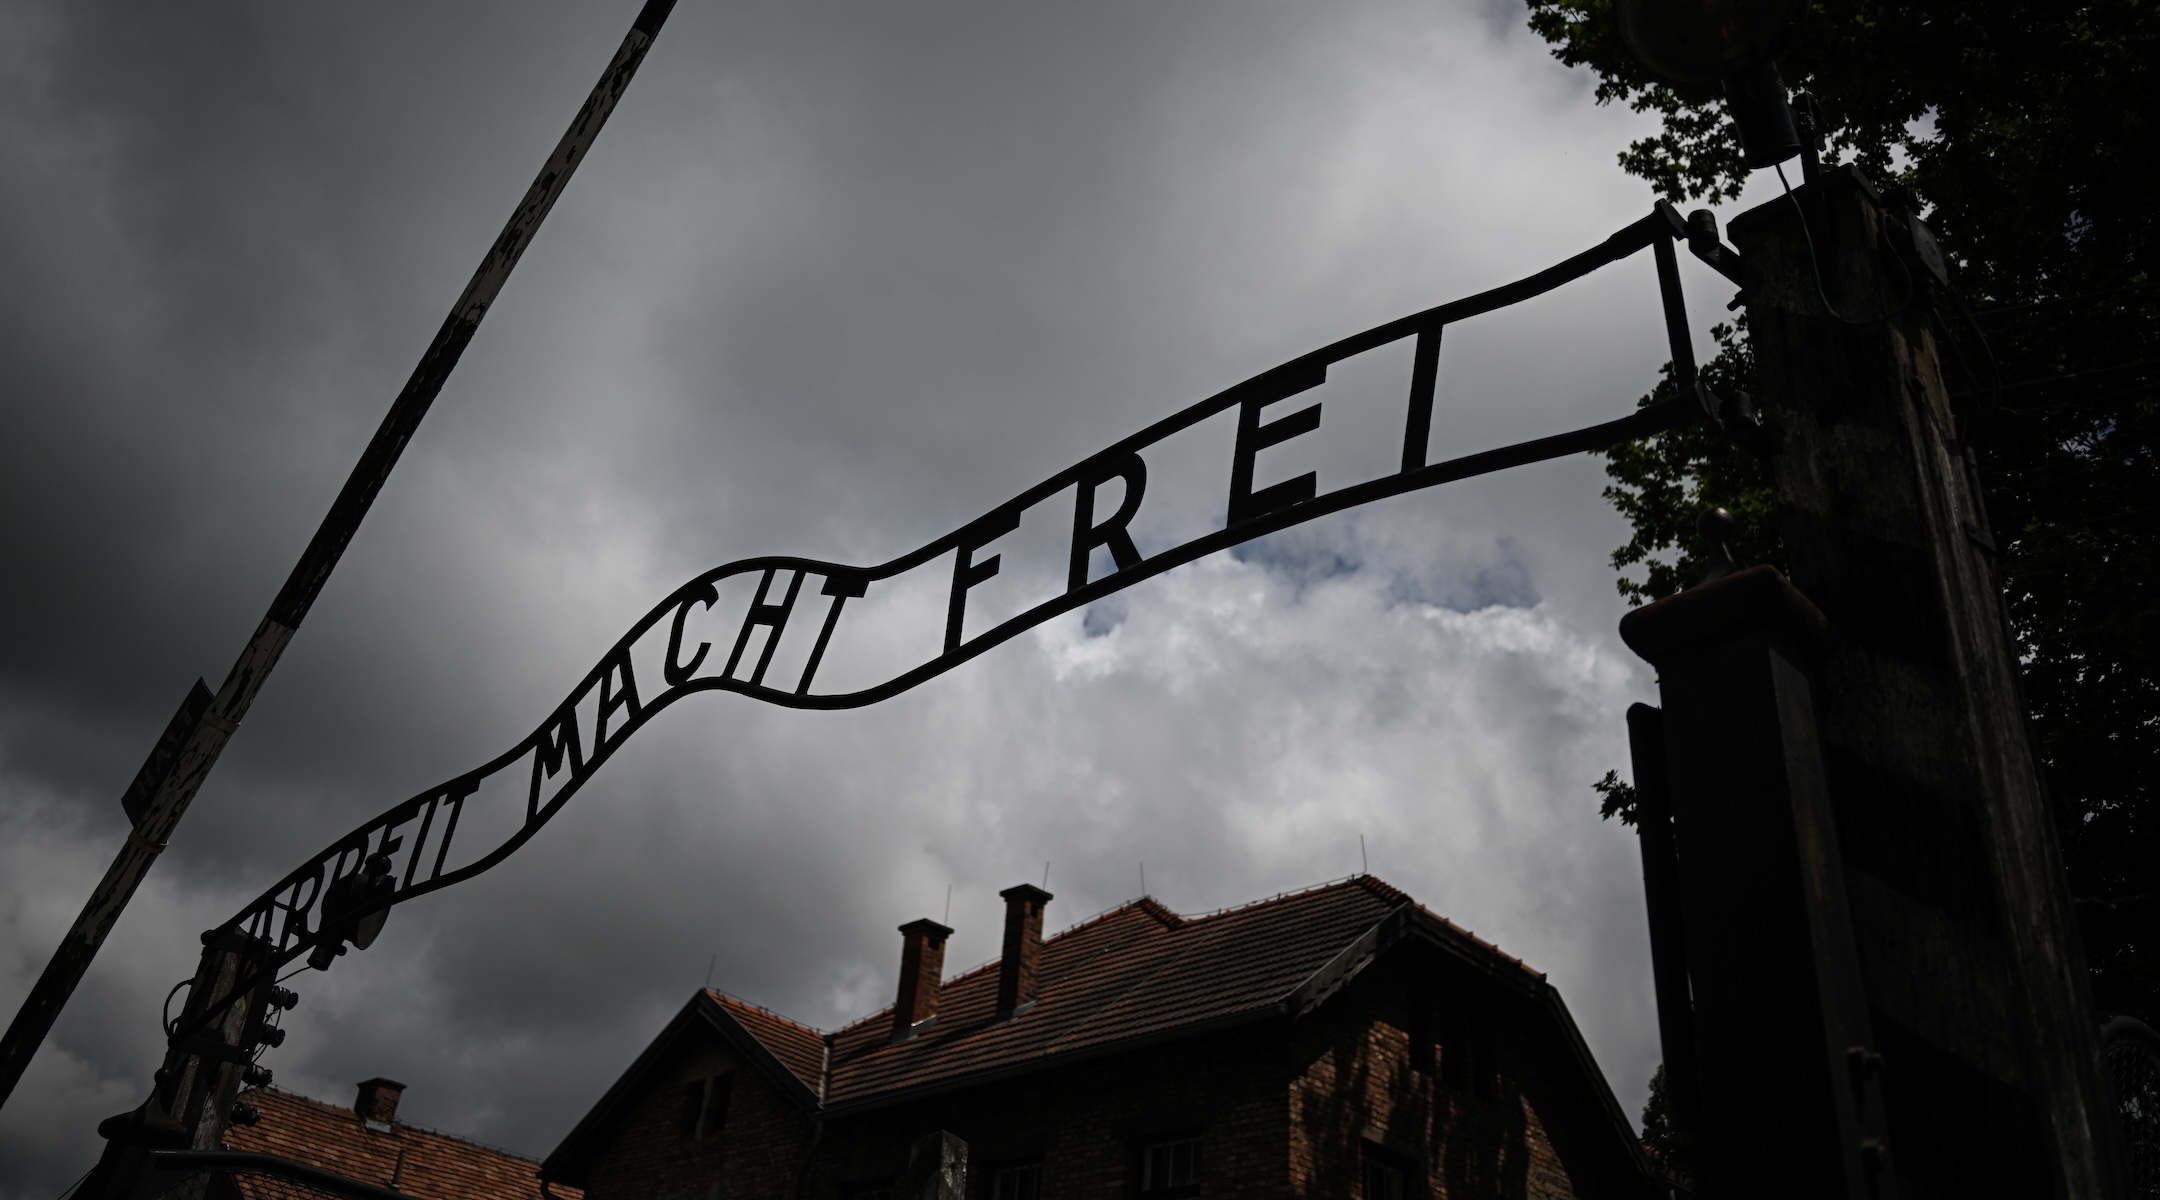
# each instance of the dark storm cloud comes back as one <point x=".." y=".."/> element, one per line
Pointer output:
<point x="837" y="278"/>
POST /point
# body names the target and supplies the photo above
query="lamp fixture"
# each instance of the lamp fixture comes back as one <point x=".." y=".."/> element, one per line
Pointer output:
<point x="1731" y="41"/>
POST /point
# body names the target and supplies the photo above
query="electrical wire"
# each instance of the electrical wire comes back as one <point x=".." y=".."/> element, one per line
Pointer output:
<point x="166" y="1012"/>
<point x="1815" y="263"/>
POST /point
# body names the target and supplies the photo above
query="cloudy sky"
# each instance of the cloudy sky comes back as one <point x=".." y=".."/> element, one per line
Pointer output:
<point x="837" y="278"/>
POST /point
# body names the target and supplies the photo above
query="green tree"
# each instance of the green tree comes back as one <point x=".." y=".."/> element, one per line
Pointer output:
<point x="2017" y="126"/>
<point x="1672" y="1150"/>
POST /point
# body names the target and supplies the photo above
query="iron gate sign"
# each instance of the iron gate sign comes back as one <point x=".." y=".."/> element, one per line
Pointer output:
<point x="408" y="851"/>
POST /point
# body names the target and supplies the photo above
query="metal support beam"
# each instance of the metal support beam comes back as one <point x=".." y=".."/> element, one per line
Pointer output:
<point x="184" y="774"/>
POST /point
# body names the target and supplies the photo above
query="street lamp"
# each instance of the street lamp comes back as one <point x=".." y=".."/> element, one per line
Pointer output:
<point x="1731" y="41"/>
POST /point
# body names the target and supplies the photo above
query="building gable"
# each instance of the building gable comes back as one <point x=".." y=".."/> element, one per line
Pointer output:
<point x="711" y="1037"/>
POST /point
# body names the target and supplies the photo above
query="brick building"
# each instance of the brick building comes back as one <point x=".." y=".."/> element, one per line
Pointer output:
<point x="368" y="1142"/>
<point x="1338" y="1042"/>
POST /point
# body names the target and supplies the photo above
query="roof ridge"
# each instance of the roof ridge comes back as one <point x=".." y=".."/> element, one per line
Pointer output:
<point x="1160" y="911"/>
<point x="1371" y="883"/>
<point x="396" y="1123"/>
<point x="851" y="1026"/>
<point x="1382" y="888"/>
<point x="977" y="969"/>
<point x="1170" y="918"/>
<point x="1147" y="904"/>
<point x="727" y="998"/>
<point x="1104" y="915"/>
<point x="1491" y="947"/>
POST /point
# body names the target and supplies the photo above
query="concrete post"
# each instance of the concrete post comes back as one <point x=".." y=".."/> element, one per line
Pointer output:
<point x="1667" y="910"/>
<point x="1783" y="1056"/>
<point x="1974" y="981"/>
<point x="189" y="1107"/>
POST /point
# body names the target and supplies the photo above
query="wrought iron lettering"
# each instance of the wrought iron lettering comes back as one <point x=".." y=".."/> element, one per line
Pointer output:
<point x="618" y="689"/>
<point x="1111" y="533"/>
<point x="442" y="850"/>
<point x="678" y="672"/>
<point x="1253" y="437"/>
<point x="967" y="572"/>
<point x="842" y="587"/>
<point x="427" y="822"/>
<point x="559" y="752"/>
<point x="768" y="616"/>
<point x="556" y="743"/>
<point x="1424" y="372"/>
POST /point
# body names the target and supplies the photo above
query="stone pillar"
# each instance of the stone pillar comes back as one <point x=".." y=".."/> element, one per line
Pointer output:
<point x="1783" y="1056"/>
<point x="1667" y="910"/>
<point x="1975" y="983"/>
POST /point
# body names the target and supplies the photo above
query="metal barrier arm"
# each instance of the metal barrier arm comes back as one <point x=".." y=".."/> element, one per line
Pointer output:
<point x="411" y="844"/>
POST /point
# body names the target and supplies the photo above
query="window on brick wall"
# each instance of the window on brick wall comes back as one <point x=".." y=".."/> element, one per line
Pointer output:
<point x="1017" y="1183"/>
<point x="705" y="1106"/>
<point x="1383" y="1180"/>
<point x="1170" y="1167"/>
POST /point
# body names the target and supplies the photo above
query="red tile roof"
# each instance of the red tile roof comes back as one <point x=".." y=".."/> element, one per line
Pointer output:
<point x="799" y="1048"/>
<point x="422" y="1163"/>
<point x="1134" y="972"/>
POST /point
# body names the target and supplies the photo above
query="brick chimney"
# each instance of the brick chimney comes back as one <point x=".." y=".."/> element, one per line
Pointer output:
<point x="922" y="970"/>
<point x="377" y="1104"/>
<point x="1023" y="948"/>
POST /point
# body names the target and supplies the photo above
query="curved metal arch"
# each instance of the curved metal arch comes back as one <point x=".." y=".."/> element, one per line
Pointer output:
<point x="288" y="917"/>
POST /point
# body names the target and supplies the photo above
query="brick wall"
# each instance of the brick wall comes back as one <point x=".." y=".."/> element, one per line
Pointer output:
<point x="1461" y="1084"/>
<point x="755" y="1152"/>
<point x="1086" y="1124"/>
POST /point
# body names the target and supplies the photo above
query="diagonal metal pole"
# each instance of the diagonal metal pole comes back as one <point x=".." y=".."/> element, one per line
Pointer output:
<point x="172" y="778"/>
